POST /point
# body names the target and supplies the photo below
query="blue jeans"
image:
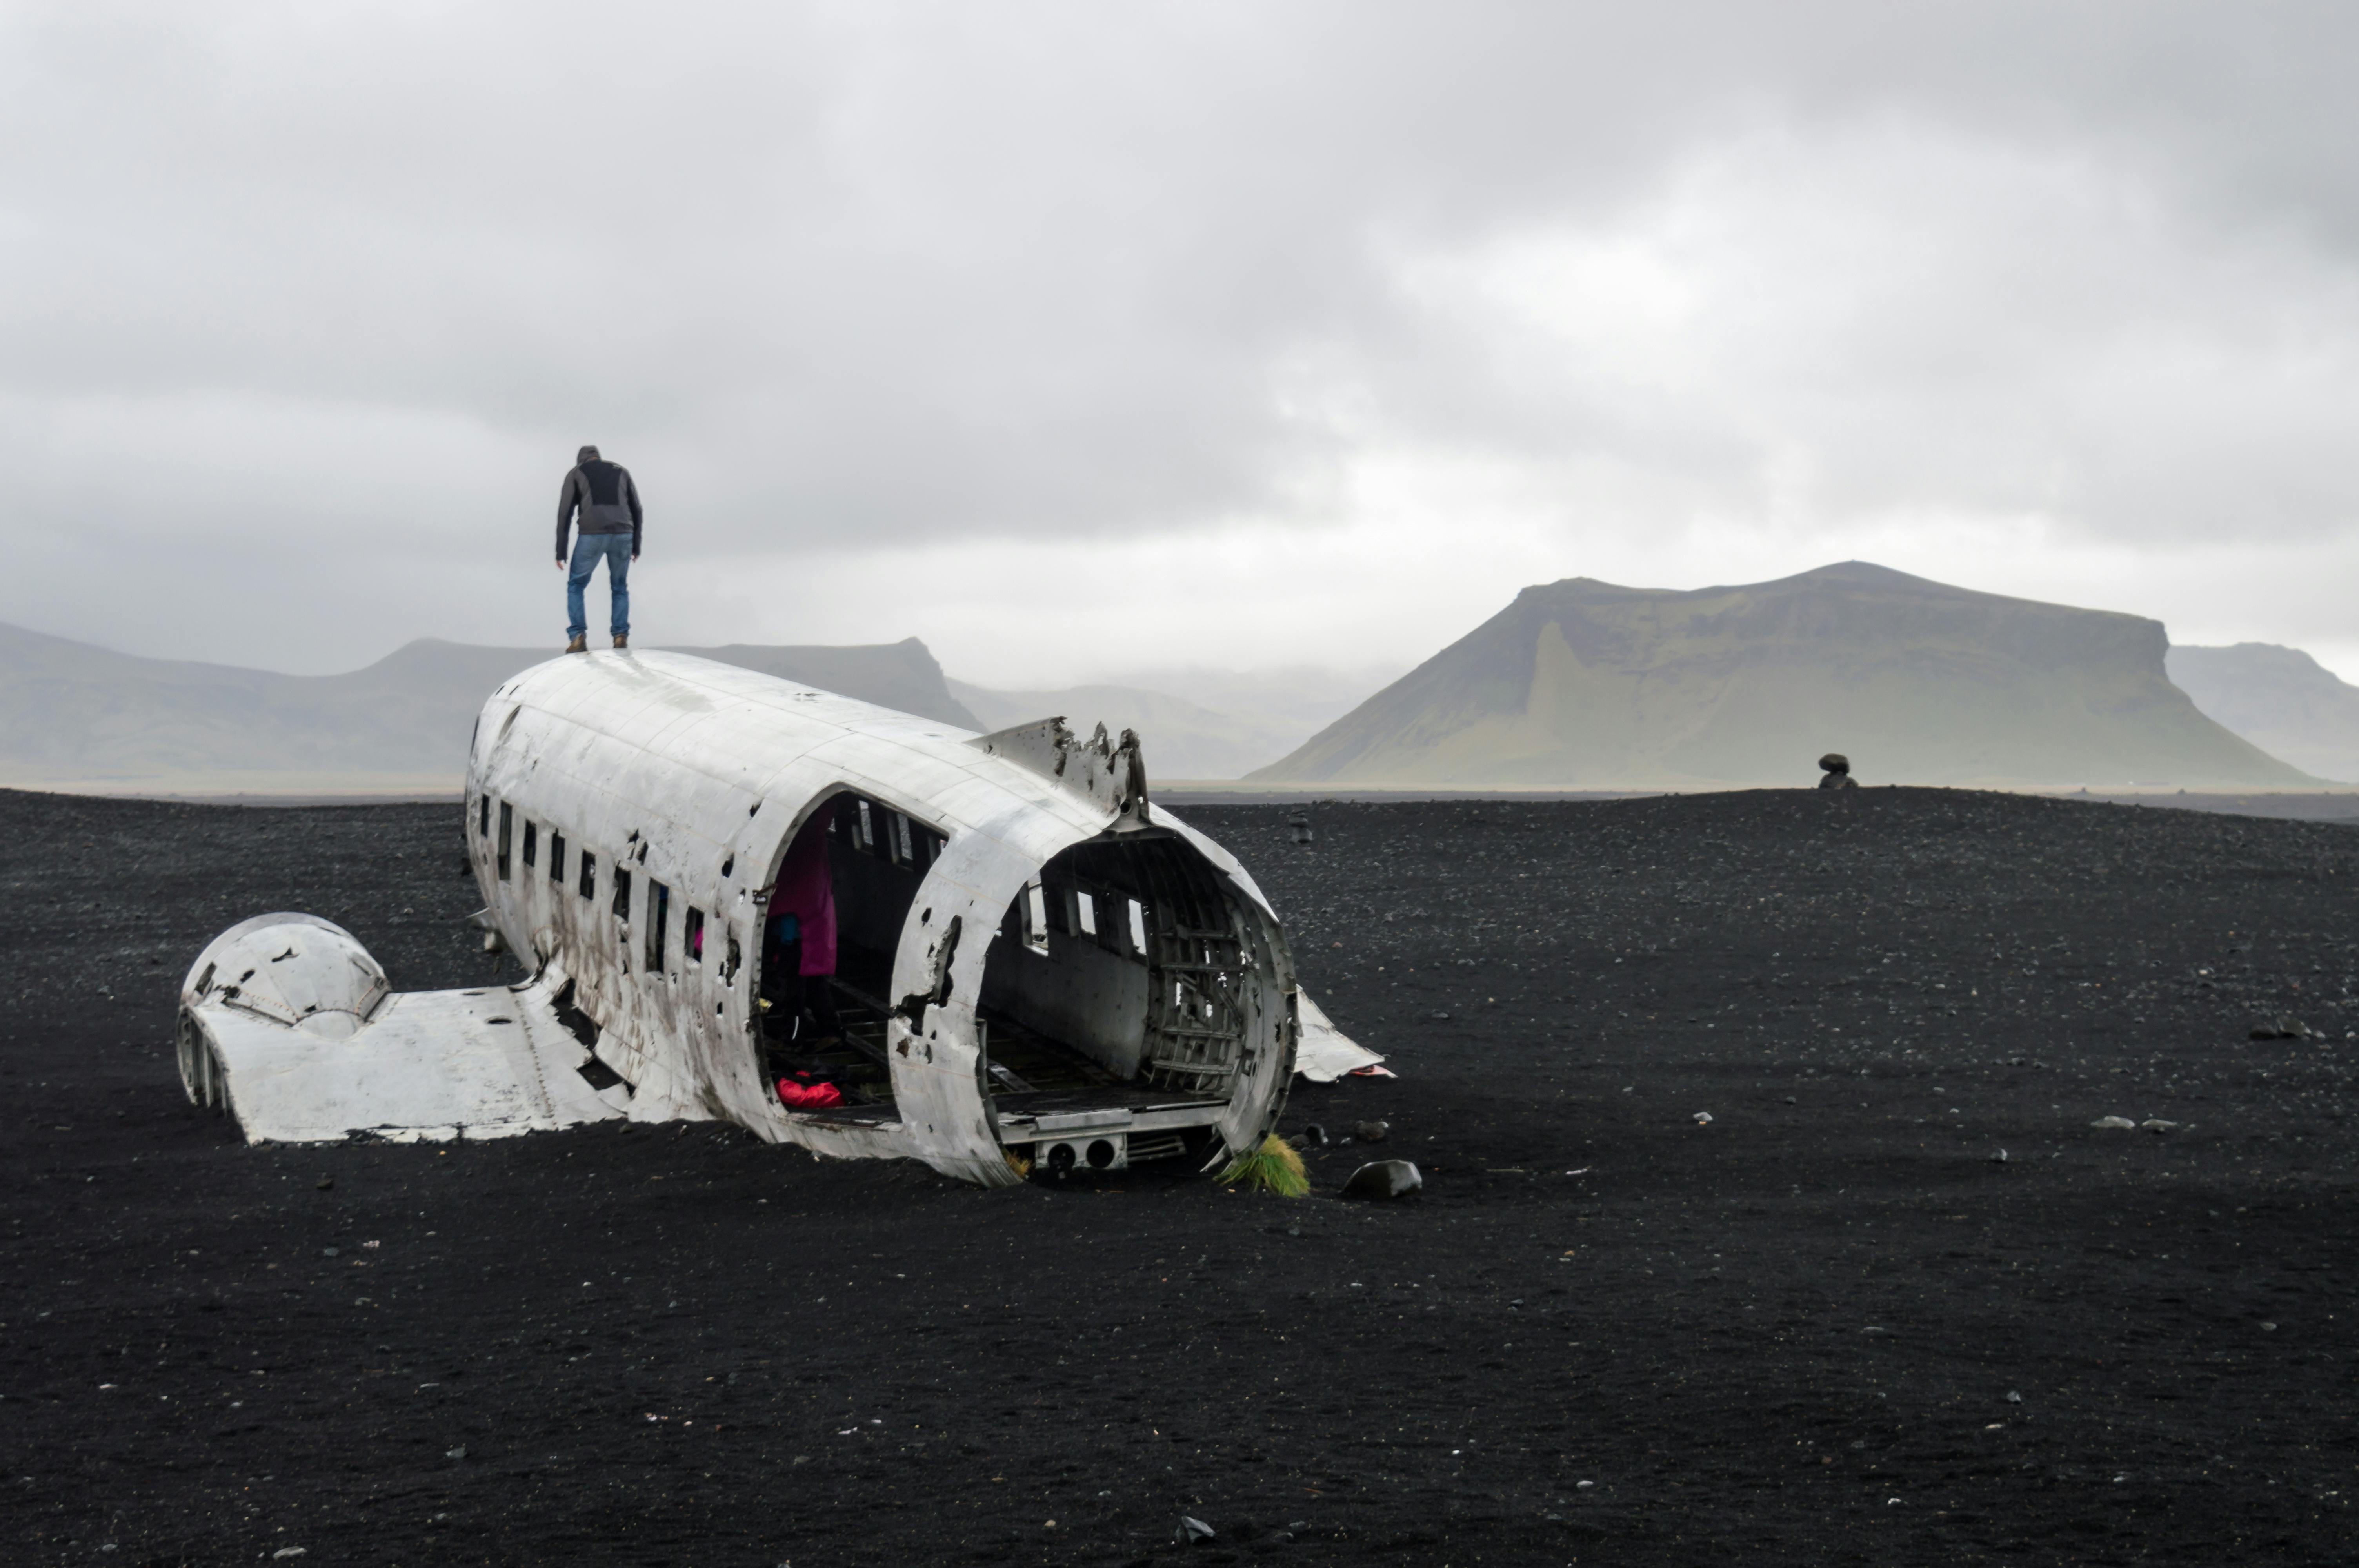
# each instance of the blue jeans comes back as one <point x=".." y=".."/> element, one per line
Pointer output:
<point x="589" y="549"/>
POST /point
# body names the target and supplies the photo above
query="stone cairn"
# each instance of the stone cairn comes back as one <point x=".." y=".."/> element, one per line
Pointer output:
<point x="1838" y="771"/>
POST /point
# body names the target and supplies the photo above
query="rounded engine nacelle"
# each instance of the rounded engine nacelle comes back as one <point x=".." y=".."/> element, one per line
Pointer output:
<point x="297" y="970"/>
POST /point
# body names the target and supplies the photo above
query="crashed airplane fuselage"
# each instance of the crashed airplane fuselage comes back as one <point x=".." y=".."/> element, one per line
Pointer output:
<point x="1032" y="962"/>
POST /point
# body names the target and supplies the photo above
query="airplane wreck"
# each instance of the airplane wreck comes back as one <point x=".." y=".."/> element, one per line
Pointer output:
<point x="843" y="928"/>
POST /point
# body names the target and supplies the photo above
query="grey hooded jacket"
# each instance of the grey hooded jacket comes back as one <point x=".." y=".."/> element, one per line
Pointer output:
<point x="605" y="497"/>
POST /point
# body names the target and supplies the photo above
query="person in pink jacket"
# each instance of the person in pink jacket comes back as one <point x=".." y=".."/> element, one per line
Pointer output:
<point x="798" y="935"/>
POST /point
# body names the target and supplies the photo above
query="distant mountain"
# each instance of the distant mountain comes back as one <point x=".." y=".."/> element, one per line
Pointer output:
<point x="2280" y="699"/>
<point x="1296" y="699"/>
<point x="76" y="716"/>
<point x="1584" y="685"/>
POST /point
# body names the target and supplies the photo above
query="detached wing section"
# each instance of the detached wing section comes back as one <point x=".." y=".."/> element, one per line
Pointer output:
<point x="431" y="1065"/>
<point x="265" y="1035"/>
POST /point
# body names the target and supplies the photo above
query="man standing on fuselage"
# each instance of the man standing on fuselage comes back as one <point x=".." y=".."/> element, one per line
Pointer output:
<point x="611" y="522"/>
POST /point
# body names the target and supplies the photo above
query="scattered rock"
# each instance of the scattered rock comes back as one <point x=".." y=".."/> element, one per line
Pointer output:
<point x="1383" y="1179"/>
<point x="1703" y="1118"/>
<point x="458" y="1452"/>
<point x="325" y="1182"/>
<point x="2282" y="1029"/>
<point x="2155" y="1124"/>
<point x="1371" y="1131"/>
<point x="2014" y="1398"/>
<point x="1315" y="1136"/>
<point x="329" y="1251"/>
<point x="2116" y="1123"/>
<point x="1999" y="1158"/>
<point x="1192" y="1530"/>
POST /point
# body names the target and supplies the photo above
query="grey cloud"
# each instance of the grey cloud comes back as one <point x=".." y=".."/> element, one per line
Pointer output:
<point x="874" y="274"/>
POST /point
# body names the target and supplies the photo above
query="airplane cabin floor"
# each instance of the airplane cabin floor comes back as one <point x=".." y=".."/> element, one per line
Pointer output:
<point x="1828" y="1326"/>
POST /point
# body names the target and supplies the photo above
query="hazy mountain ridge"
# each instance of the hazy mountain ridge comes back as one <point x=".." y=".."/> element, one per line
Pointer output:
<point x="72" y="713"/>
<point x="1181" y="739"/>
<point x="2280" y="698"/>
<point x="1581" y="683"/>
<point x="1577" y="684"/>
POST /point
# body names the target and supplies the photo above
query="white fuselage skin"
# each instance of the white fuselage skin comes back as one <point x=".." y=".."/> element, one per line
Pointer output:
<point x="694" y="777"/>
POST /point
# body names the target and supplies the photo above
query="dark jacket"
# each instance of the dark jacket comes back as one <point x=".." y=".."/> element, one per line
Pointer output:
<point x="607" y="500"/>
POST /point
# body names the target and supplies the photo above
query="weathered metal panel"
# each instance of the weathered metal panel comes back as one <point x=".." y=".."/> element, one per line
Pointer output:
<point x="695" y="777"/>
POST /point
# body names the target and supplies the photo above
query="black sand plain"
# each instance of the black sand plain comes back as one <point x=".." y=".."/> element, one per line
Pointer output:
<point x="1827" y="1327"/>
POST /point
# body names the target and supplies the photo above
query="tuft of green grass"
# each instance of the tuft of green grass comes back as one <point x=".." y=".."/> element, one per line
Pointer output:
<point x="1274" y="1167"/>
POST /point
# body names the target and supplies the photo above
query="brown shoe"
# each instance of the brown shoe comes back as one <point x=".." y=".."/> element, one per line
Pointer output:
<point x="623" y="642"/>
<point x="579" y="646"/>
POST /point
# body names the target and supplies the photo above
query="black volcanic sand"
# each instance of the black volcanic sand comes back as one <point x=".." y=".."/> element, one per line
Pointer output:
<point x="1827" y="1327"/>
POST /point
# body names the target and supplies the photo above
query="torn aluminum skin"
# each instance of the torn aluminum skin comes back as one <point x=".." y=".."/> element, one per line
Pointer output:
<point x="1022" y="876"/>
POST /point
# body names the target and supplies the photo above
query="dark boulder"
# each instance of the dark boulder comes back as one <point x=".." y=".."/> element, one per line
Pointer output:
<point x="1383" y="1179"/>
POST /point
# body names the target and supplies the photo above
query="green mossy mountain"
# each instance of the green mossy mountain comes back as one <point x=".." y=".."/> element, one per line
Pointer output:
<point x="1585" y="684"/>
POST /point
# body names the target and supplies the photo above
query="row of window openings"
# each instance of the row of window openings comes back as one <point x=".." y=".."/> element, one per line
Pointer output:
<point x="891" y="835"/>
<point x="1077" y="911"/>
<point x="877" y="830"/>
<point x="658" y="895"/>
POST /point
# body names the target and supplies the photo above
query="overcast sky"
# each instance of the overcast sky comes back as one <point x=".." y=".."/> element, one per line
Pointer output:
<point x="1082" y="338"/>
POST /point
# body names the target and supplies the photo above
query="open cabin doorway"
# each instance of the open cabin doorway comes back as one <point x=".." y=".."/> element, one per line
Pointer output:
<point x="832" y="917"/>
